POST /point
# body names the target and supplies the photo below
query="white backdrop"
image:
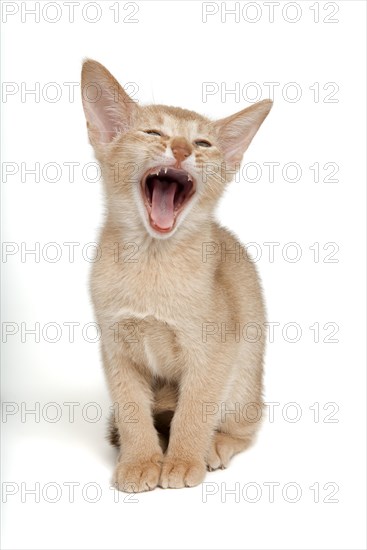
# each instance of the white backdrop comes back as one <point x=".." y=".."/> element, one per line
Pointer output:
<point x="302" y="485"/>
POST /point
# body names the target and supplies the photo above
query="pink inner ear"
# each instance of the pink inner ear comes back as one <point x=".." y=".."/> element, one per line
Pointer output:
<point x="108" y="108"/>
<point x="237" y="131"/>
<point x="102" y="114"/>
<point x="236" y="137"/>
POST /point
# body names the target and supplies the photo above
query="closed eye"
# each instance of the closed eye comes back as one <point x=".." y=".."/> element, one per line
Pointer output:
<point x="153" y="133"/>
<point x="203" y="143"/>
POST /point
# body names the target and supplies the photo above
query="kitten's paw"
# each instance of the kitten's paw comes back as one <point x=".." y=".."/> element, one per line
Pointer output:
<point x="177" y="473"/>
<point x="135" y="477"/>
<point x="222" y="448"/>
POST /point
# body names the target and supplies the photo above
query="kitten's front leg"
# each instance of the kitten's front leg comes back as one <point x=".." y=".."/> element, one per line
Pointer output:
<point x="139" y="464"/>
<point x="191" y="431"/>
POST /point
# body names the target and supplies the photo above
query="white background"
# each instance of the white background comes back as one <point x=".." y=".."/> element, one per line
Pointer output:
<point x="169" y="53"/>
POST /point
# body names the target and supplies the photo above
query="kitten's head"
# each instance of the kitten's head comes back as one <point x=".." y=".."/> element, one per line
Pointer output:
<point x="162" y="165"/>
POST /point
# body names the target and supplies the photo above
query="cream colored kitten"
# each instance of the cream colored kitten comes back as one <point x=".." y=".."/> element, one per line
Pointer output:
<point x="182" y="317"/>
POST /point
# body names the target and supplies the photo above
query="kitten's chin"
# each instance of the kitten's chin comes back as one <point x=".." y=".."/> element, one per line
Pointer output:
<point x="166" y="192"/>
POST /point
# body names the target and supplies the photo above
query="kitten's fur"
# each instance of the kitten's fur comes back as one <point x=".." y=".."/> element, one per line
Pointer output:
<point x="163" y="291"/>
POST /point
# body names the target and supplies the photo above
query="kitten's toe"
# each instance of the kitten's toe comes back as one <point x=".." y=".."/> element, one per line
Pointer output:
<point x="177" y="473"/>
<point x="139" y="476"/>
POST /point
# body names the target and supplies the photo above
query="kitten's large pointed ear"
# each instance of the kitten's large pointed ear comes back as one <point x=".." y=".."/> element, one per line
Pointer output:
<point x="109" y="110"/>
<point x="235" y="132"/>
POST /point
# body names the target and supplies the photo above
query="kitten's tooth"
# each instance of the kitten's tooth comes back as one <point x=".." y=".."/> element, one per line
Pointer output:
<point x="165" y="170"/>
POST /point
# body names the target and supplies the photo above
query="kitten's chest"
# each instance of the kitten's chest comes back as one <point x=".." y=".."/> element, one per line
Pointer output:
<point x="155" y="308"/>
<point x="165" y="291"/>
<point x="151" y="343"/>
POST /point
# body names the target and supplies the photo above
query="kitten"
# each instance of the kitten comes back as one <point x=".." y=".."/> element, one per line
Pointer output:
<point x="182" y="317"/>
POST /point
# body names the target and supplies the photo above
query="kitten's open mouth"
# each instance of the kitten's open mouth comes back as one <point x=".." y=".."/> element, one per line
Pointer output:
<point x="166" y="192"/>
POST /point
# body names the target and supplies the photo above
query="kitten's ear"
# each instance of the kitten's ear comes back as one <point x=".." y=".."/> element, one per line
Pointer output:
<point x="235" y="132"/>
<point x="109" y="110"/>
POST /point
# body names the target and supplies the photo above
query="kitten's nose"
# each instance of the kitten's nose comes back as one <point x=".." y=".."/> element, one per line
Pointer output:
<point x="181" y="148"/>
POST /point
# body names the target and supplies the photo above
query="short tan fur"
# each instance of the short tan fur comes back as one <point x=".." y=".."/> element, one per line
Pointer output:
<point x="170" y="291"/>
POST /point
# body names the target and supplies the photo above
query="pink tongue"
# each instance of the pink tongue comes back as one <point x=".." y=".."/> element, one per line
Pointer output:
<point x="163" y="203"/>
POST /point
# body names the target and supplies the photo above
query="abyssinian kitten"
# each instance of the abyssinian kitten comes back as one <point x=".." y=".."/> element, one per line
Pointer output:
<point x="168" y="293"/>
